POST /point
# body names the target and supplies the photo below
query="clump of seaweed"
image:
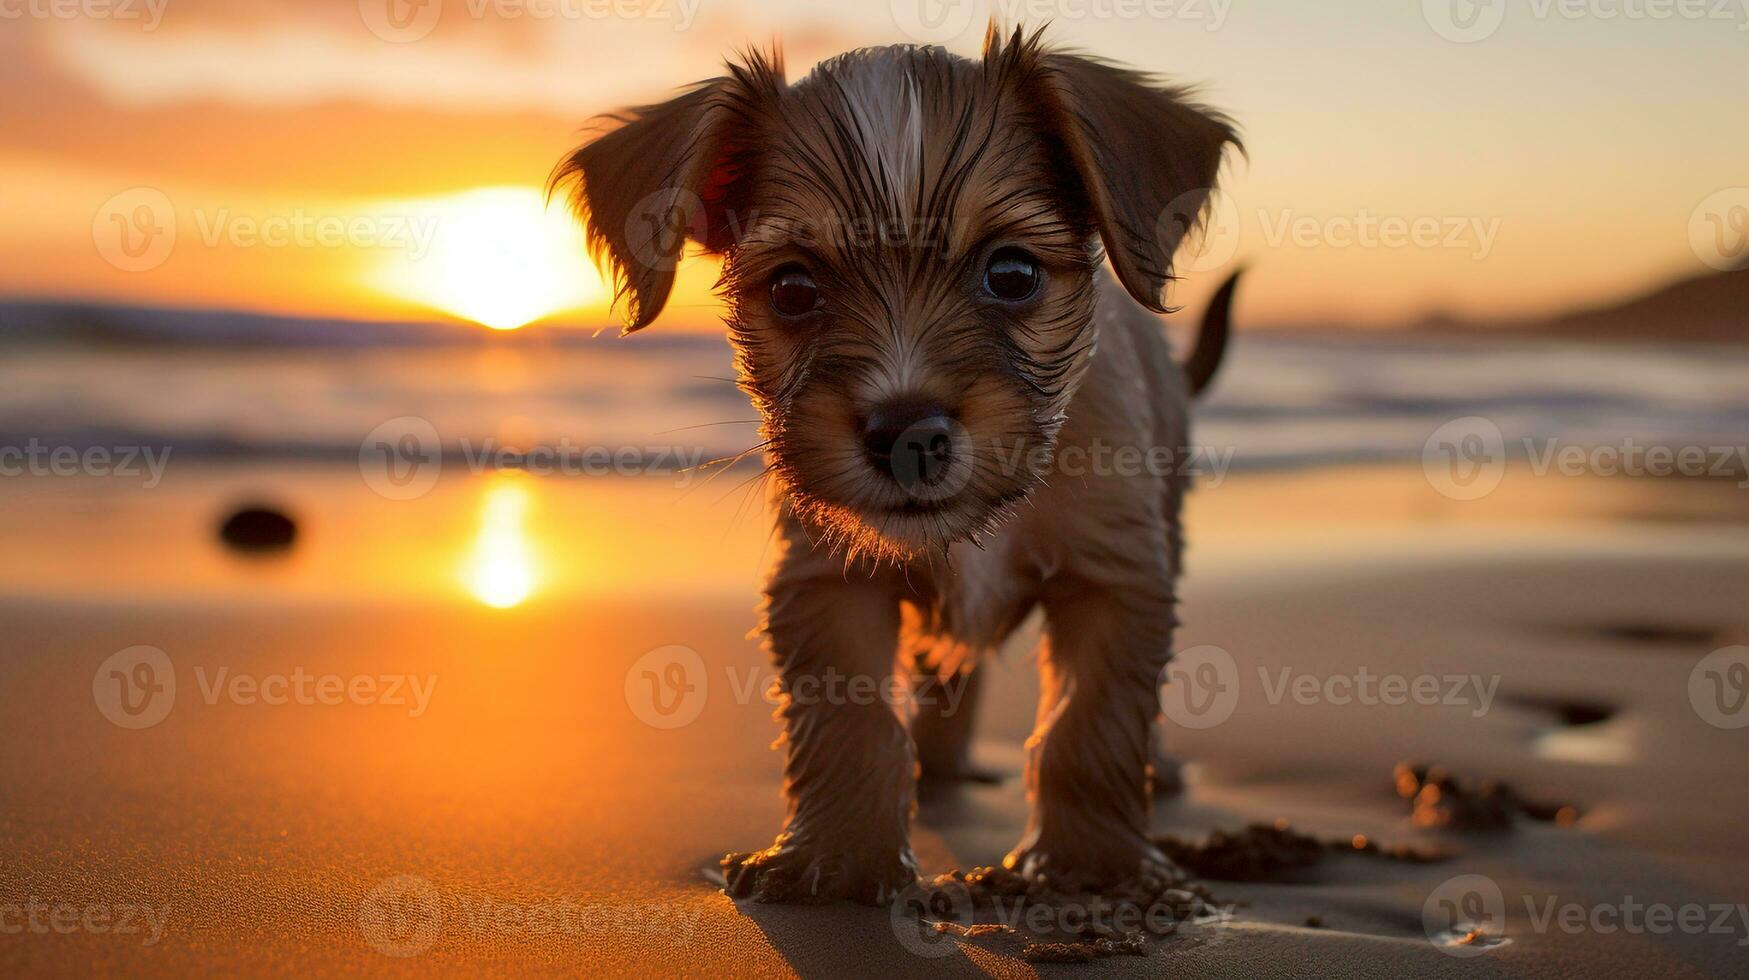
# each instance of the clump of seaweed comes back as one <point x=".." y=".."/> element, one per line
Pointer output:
<point x="1053" y="922"/>
<point x="1261" y="851"/>
<point x="1438" y="798"/>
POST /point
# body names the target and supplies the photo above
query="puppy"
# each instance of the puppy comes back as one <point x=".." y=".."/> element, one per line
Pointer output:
<point x="912" y="253"/>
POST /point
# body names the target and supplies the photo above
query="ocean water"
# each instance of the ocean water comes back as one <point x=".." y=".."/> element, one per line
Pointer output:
<point x="1279" y="401"/>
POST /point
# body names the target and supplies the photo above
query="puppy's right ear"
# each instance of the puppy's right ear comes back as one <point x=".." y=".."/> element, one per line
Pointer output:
<point x="1145" y="155"/>
<point x="662" y="174"/>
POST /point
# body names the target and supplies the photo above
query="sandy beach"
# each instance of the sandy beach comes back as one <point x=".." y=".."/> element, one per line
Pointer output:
<point x="495" y="794"/>
<point x="391" y="392"/>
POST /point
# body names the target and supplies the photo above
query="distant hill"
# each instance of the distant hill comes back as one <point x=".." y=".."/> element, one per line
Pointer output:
<point x="89" y="324"/>
<point x="1711" y="309"/>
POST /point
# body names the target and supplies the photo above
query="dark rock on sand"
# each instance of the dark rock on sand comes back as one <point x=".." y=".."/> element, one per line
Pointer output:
<point x="258" y="528"/>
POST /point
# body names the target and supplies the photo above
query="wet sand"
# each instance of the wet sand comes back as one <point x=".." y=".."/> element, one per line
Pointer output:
<point x="527" y="816"/>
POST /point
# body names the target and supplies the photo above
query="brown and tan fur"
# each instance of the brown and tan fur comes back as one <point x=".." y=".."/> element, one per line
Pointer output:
<point x="891" y="175"/>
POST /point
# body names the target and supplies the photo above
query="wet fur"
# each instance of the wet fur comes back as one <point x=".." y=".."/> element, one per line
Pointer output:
<point x="892" y="173"/>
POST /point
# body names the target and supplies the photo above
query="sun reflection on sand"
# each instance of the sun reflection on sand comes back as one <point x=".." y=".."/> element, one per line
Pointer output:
<point x="502" y="571"/>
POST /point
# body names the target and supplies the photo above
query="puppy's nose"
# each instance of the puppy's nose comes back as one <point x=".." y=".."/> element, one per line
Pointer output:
<point x="911" y="439"/>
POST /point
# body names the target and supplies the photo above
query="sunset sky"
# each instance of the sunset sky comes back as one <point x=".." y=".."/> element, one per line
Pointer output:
<point x="383" y="158"/>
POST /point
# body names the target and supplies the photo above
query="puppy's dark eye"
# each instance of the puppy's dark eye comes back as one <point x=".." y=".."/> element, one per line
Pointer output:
<point x="793" y="292"/>
<point x="1012" y="275"/>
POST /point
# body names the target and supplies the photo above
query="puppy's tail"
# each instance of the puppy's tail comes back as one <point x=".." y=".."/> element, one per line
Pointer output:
<point x="1211" y="337"/>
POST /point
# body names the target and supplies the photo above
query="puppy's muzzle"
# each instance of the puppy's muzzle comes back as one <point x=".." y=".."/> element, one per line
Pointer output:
<point x="913" y="441"/>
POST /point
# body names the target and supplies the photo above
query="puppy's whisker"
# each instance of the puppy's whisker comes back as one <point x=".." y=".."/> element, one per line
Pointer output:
<point x="727" y="461"/>
<point x="753" y="487"/>
<point x="744" y="484"/>
<point x="707" y="425"/>
<point x="721" y="465"/>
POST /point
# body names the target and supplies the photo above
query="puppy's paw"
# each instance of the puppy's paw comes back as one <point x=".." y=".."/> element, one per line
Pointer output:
<point x="787" y="872"/>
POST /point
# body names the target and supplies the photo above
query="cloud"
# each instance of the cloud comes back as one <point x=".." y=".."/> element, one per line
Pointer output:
<point x="479" y="55"/>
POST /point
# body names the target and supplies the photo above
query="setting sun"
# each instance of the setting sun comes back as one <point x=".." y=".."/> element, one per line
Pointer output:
<point x="499" y="256"/>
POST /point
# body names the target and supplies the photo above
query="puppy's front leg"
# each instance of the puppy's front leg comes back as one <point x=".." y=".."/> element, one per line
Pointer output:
<point x="850" y="773"/>
<point x="1087" y="768"/>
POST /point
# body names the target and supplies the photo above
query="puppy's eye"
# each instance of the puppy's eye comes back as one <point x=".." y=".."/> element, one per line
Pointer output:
<point x="1012" y="275"/>
<point x="793" y="292"/>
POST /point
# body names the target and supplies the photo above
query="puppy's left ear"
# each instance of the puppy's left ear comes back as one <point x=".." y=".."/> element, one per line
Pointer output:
<point x="1145" y="155"/>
